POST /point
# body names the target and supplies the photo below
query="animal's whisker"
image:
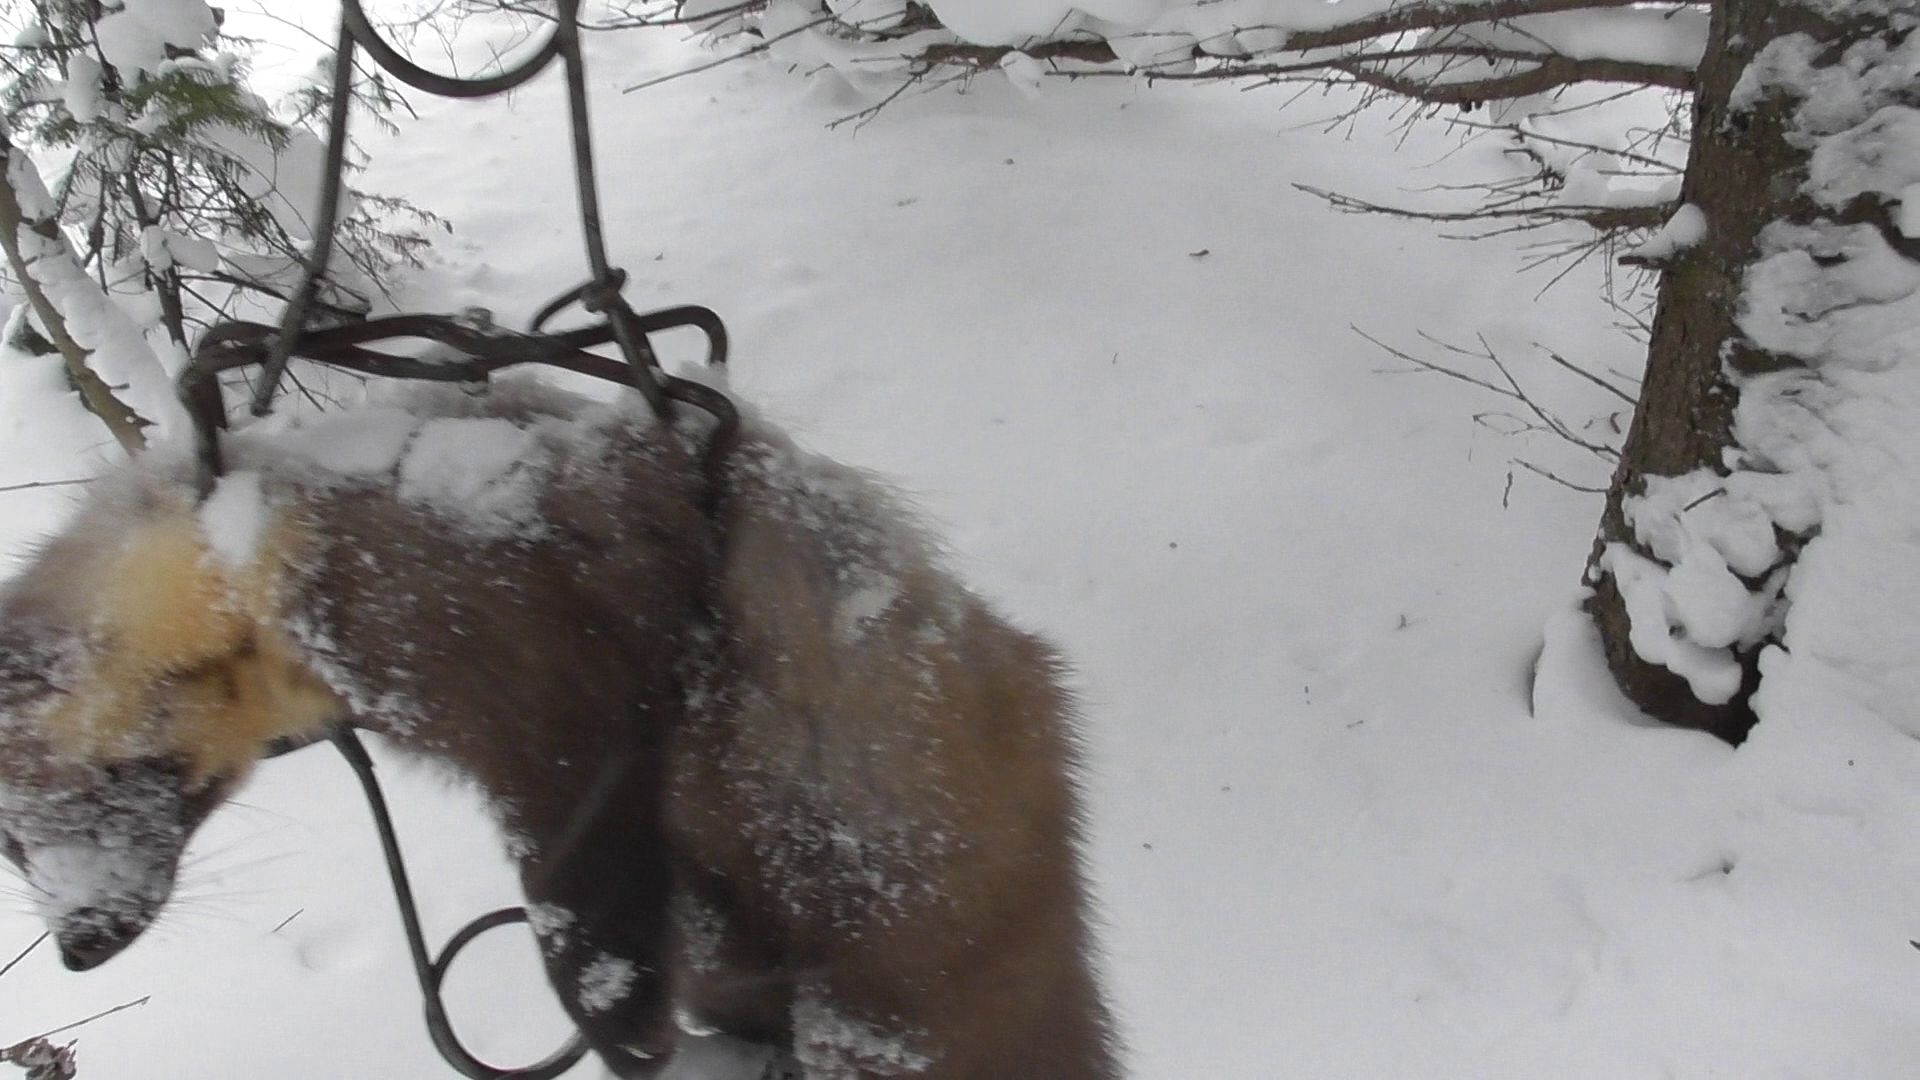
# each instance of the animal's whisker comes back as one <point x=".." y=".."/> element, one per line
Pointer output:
<point x="30" y="889"/>
<point x="202" y="857"/>
<point x="224" y="896"/>
<point x="256" y="808"/>
<point x="202" y="872"/>
<point x="189" y="913"/>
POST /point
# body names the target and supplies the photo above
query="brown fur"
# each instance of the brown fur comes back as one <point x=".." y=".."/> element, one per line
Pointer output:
<point x="776" y="768"/>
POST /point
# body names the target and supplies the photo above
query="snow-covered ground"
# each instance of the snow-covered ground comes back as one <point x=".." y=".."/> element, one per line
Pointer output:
<point x="1339" y="830"/>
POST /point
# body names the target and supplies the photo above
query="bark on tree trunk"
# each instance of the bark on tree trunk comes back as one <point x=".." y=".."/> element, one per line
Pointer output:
<point x="121" y="420"/>
<point x="1744" y="173"/>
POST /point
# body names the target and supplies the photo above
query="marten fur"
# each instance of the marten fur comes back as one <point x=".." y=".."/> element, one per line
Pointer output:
<point x="766" y="768"/>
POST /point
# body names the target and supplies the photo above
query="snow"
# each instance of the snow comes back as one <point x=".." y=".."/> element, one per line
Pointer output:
<point x="137" y="35"/>
<point x="68" y="878"/>
<point x="163" y="248"/>
<point x="1907" y="217"/>
<point x="1006" y="22"/>
<point x="1825" y="289"/>
<point x="362" y="442"/>
<point x="604" y="983"/>
<point x="1686" y="228"/>
<point x="83" y="88"/>
<point x="484" y="473"/>
<point x="134" y="39"/>
<point x="1342" y="825"/>
<point x="1832" y="97"/>
<point x="1683" y="618"/>
<point x="873" y="15"/>
<point x="1879" y="156"/>
<point x="549" y="921"/>
<point x="234" y="518"/>
<point x="285" y="178"/>
<point x="828" y="1043"/>
<point x="1659" y="36"/>
<point x="482" y="470"/>
<point x="1674" y="514"/>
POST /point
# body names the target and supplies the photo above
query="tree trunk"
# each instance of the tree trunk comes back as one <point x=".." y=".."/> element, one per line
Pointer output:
<point x="121" y="420"/>
<point x="1748" y="170"/>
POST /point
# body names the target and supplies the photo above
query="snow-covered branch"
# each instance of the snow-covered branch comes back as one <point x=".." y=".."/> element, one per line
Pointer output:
<point x="1584" y="40"/>
<point x="94" y="337"/>
<point x="1525" y="46"/>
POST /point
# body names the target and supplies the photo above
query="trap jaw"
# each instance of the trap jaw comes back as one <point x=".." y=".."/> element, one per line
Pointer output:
<point x="475" y="349"/>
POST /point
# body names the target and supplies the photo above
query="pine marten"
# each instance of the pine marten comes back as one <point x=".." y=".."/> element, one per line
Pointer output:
<point x="767" y="769"/>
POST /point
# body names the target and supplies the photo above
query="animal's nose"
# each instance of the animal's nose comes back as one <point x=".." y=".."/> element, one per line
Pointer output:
<point x="93" y="937"/>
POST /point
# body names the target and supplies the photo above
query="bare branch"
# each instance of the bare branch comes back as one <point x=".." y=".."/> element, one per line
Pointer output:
<point x="985" y="57"/>
<point x="1549" y="72"/>
<point x="1530" y="216"/>
<point x="1557" y="478"/>
<point x="101" y="1015"/>
<point x="1536" y="417"/>
<point x="1563" y="362"/>
<point x="24" y="953"/>
<point x="1626" y="156"/>
<point x="1429" y="16"/>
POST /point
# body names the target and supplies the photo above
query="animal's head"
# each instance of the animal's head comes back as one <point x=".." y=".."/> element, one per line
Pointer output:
<point x="143" y="670"/>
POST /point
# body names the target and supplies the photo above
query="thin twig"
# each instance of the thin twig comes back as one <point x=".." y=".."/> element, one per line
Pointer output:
<point x="731" y="57"/>
<point x="1542" y="419"/>
<point x="1588" y="375"/>
<point x="13" y="963"/>
<point x="45" y="484"/>
<point x="101" y="1015"/>
<point x="1561" y="480"/>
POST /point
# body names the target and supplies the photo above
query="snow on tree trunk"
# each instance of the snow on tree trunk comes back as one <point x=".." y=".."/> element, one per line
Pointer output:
<point x="1801" y="301"/>
<point x="108" y="359"/>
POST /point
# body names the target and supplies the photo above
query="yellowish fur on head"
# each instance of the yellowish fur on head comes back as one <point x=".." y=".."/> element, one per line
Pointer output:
<point x="188" y="658"/>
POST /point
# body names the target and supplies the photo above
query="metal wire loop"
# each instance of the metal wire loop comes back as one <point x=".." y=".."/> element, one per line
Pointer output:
<point x="453" y="86"/>
<point x="433" y="972"/>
